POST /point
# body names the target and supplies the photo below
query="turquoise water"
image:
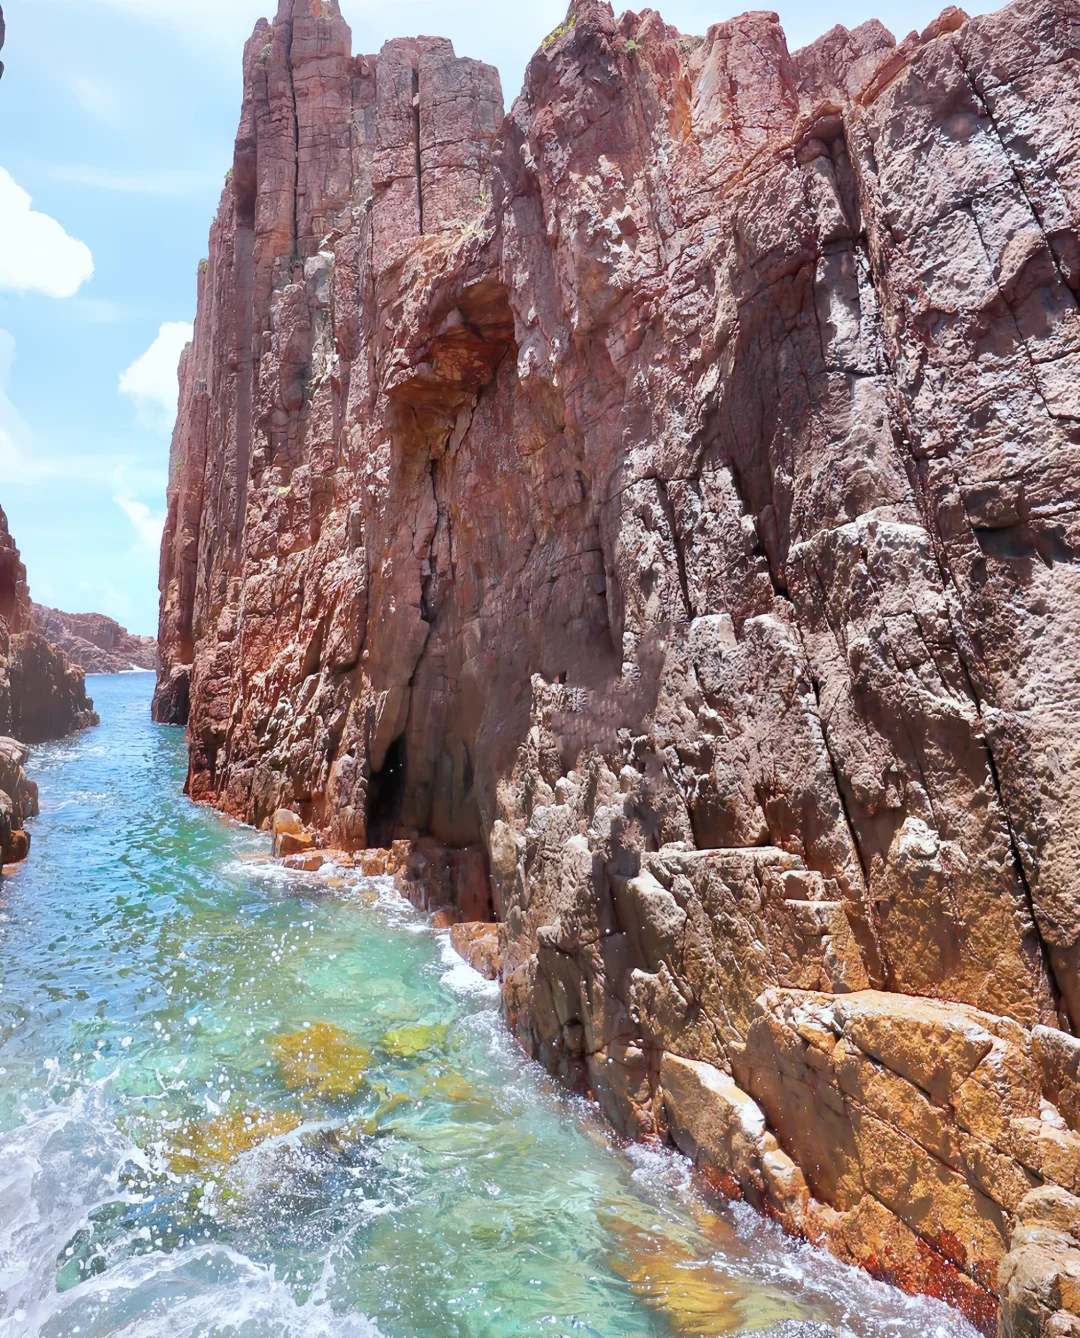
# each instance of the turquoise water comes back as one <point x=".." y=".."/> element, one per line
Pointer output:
<point x="241" y="1103"/>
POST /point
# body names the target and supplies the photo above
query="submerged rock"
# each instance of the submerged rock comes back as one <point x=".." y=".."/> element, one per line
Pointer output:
<point x="650" y="520"/>
<point x="695" y="1297"/>
<point x="322" y="1061"/>
<point x="205" y="1146"/>
<point x="407" y="1042"/>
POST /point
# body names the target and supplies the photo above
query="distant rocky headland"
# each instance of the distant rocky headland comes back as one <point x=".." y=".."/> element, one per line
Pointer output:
<point x="97" y="644"/>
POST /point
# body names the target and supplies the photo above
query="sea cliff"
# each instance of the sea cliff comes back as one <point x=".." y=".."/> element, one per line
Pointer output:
<point x="652" y="513"/>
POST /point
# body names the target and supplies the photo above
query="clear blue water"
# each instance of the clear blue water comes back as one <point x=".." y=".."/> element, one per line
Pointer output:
<point x="240" y="1103"/>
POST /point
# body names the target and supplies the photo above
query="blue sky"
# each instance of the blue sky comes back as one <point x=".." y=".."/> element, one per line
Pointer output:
<point x="117" y="118"/>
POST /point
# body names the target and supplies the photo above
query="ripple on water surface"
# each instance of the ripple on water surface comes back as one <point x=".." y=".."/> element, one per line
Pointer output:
<point x="238" y="1103"/>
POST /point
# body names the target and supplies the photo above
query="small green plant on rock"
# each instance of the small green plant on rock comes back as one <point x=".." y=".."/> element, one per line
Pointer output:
<point x="204" y="265"/>
<point x="631" y="47"/>
<point x="471" y="227"/>
<point x="558" y="32"/>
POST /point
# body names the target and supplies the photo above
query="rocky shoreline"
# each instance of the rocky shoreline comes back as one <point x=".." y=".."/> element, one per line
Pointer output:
<point x="653" y="515"/>
<point x="910" y="1096"/>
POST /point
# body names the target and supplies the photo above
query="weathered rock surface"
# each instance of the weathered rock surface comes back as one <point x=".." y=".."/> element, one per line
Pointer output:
<point x="653" y="517"/>
<point x="42" y="694"/>
<point x="478" y="944"/>
<point x="95" y="642"/>
<point x="18" y="801"/>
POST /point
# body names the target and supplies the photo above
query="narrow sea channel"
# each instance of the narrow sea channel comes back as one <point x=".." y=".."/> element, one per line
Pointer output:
<point x="242" y="1103"/>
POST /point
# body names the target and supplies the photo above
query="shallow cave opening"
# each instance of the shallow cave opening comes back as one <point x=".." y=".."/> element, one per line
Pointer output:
<point x="386" y="793"/>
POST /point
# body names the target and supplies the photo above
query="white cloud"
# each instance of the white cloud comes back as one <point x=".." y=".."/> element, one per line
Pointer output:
<point x="36" y="254"/>
<point x="152" y="381"/>
<point x="23" y="462"/>
<point x="101" y="311"/>
<point x="197" y="20"/>
<point x="16" y="461"/>
<point x="101" y="599"/>
<point x="147" y="526"/>
<point x="165" y="183"/>
<point x="184" y="11"/>
<point x="98" y="99"/>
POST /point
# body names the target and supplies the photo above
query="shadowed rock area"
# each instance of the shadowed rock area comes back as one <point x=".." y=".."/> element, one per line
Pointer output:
<point x="651" y="517"/>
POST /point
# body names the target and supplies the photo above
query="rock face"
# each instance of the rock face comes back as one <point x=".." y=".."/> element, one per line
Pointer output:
<point x="42" y="694"/>
<point x="664" y="498"/>
<point x="97" y="644"/>
<point x="18" y="801"/>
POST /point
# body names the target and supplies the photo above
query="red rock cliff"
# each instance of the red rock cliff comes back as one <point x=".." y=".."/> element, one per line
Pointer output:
<point x="42" y="694"/>
<point x="669" y="493"/>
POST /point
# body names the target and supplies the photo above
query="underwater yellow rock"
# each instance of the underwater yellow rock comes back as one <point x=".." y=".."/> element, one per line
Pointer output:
<point x="387" y="1106"/>
<point x="405" y="1042"/>
<point x="203" y="1145"/>
<point x="695" y="1297"/>
<point x="322" y="1061"/>
<point x="452" y="1087"/>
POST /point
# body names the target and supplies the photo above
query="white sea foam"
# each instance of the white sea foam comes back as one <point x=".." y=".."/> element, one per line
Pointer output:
<point x="65" y="1162"/>
<point x="54" y="1171"/>
<point x="257" y="871"/>
<point x="459" y="975"/>
<point x="874" y="1309"/>
<point x="200" y="1291"/>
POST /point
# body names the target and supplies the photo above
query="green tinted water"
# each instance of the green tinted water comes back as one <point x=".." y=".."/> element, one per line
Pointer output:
<point x="238" y="1103"/>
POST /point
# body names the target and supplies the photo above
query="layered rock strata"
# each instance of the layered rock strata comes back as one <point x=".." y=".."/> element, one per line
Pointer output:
<point x="95" y="642"/>
<point x="665" y="496"/>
